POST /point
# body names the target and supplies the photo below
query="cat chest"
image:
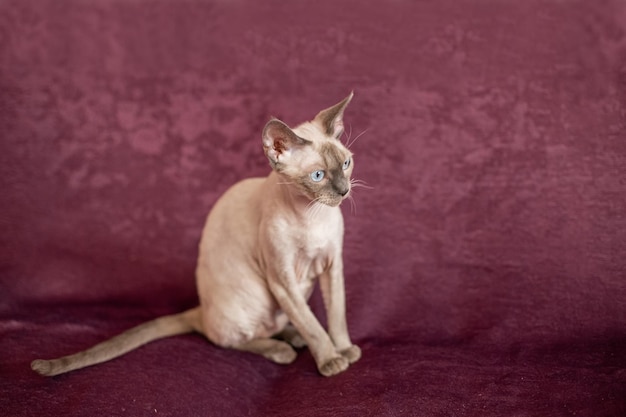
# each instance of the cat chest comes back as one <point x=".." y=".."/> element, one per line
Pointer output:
<point x="309" y="245"/>
<point x="308" y="269"/>
<point x="315" y="255"/>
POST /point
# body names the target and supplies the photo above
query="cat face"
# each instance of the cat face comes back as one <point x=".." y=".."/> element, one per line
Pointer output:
<point x="323" y="170"/>
<point x="311" y="157"/>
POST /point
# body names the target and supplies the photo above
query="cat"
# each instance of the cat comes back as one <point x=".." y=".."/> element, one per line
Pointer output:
<point x="265" y="243"/>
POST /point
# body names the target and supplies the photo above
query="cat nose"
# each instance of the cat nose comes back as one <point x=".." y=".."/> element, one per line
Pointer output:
<point x="341" y="186"/>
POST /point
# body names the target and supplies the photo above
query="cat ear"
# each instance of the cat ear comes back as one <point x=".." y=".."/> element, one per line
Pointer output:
<point x="279" y="141"/>
<point x="331" y="119"/>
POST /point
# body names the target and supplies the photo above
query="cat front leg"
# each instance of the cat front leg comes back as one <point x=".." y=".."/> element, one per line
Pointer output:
<point x="334" y="295"/>
<point x="329" y="362"/>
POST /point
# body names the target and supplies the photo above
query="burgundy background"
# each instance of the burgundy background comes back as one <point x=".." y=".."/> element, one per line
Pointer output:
<point x="485" y="269"/>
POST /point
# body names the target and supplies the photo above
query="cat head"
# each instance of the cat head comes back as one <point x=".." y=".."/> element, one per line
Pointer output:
<point x="311" y="156"/>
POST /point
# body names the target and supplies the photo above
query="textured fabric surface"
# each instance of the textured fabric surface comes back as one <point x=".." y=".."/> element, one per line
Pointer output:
<point x="485" y="268"/>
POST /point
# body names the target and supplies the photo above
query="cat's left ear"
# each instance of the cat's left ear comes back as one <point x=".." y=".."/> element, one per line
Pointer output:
<point x="279" y="142"/>
<point x="331" y="119"/>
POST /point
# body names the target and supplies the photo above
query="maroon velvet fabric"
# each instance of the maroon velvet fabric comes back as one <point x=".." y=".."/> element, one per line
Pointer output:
<point x="485" y="268"/>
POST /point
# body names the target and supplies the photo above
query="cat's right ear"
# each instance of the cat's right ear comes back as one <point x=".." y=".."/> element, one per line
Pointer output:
<point x="279" y="142"/>
<point x="331" y="119"/>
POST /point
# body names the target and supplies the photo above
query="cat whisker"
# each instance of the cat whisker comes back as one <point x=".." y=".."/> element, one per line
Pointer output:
<point x="313" y="208"/>
<point x="312" y="203"/>
<point x="350" y="143"/>
<point x="360" y="183"/>
<point x="320" y="207"/>
<point x="348" y="134"/>
<point x="352" y="204"/>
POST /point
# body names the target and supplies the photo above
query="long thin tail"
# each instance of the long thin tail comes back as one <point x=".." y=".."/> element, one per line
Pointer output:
<point x="161" y="327"/>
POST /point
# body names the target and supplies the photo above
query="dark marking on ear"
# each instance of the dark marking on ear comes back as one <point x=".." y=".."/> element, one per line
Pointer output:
<point x="279" y="145"/>
<point x="331" y="118"/>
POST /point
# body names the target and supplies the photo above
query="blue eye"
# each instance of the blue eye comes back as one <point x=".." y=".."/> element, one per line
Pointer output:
<point x="317" y="176"/>
<point x="346" y="164"/>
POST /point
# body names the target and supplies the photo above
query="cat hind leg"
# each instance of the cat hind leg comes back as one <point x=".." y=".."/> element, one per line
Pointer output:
<point x="275" y="350"/>
<point x="292" y="336"/>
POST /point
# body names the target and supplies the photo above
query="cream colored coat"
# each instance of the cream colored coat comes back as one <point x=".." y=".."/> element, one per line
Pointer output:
<point x="265" y="243"/>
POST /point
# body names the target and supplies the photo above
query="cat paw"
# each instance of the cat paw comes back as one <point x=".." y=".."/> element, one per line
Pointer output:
<point x="282" y="354"/>
<point x="297" y="341"/>
<point x="293" y="337"/>
<point x="334" y="366"/>
<point x="352" y="354"/>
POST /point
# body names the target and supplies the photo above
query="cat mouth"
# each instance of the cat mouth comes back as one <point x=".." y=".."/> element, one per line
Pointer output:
<point x="344" y="196"/>
<point x="335" y="201"/>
